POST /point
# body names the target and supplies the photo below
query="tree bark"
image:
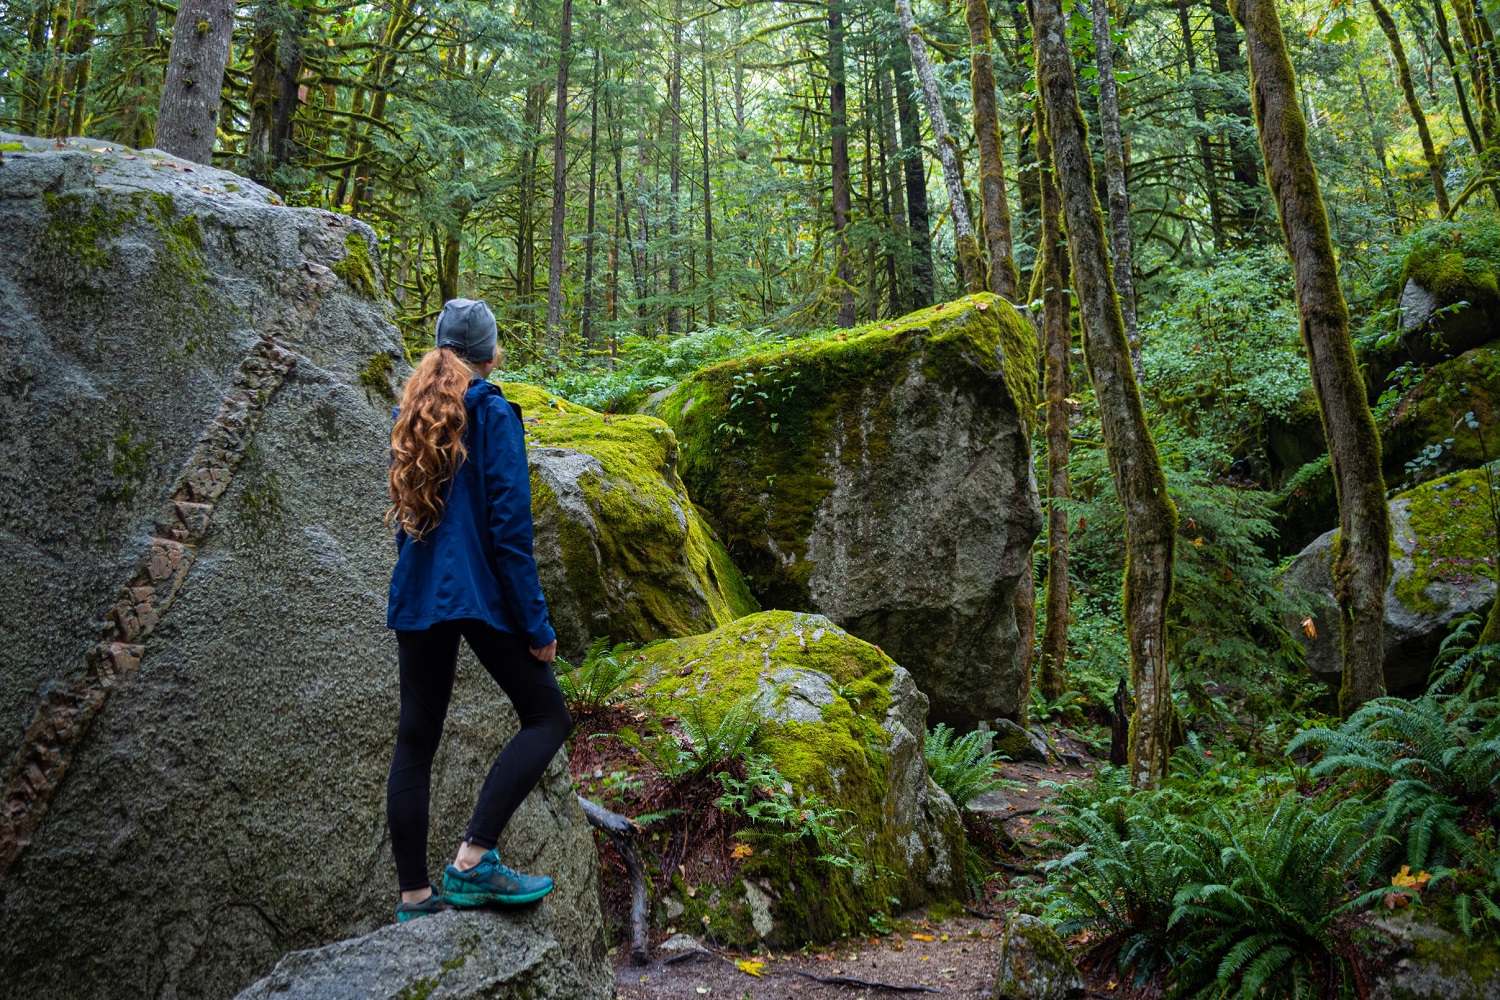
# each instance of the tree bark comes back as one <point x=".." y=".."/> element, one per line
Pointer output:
<point x="838" y="141"/>
<point x="969" y="257"/>
<point x="1003" y="280"/>
<point x="898" y="259"/>
<point x="1403" y="71"/>
<point x="923" y="290"/>
<point x="1445" y="42"/>
<point x="1363" y="549"/>
<point x="674" y="111"/>
<point x="708" y="194"/>
<point x="1244" y="158"/>
<point x="1205" y="150"/>
<point x="559" y="239"/>
<point x="1050" y="286"/>
<point x="1150" y="516"/>
<point x="187" y="123"/>
<point x="1114" y="179"/>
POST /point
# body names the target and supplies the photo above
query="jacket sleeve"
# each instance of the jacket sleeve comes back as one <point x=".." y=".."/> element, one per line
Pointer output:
<point x="507" y="486"/>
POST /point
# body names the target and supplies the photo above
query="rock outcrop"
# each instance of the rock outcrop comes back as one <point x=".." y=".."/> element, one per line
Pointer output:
<point x="1035" y="964"/>
<point x="1427" y="433"/>
<point x="1450" y="295"/>
<point x="840" y="721"/>
<point x="1421" y="960"/>
<point x="1442" y="567"/>
<point x="621" y="550"/>
<point x="199" y="695"/>
<point x="883" y="478"/>
<point x="458" y="955"/>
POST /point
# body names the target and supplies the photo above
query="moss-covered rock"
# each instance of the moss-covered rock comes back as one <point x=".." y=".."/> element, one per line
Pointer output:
<point x="842" y="721"/>
<point x="1035" y="964"/>
<point x="620" y="548"/>
<point x="883" y="478"/>
<point x="1426" y="433"/>
<point x="1421" y="959"/>
<point x="1443" y="547"/>
<point x="1450" y="295"/>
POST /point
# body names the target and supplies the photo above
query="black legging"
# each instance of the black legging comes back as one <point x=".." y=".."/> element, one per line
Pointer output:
<point x="428" y="658"/>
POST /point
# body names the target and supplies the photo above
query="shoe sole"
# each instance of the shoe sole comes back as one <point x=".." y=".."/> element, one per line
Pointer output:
<point x="471" y="899"/>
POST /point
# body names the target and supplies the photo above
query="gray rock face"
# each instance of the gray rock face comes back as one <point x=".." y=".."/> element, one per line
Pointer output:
<point x="458" y="955"/>
<point x="1415" y="621"/>
<point x="884" y="481"/>
<point x="199" y="695"/>
<point x="1034" y="964"/>
<point x="1423" y="961"/>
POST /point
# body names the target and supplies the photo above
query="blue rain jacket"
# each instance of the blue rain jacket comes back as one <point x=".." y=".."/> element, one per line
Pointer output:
<point x="477" y="562"/>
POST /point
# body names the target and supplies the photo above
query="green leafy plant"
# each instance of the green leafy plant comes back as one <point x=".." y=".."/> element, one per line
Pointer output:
<point x="703" y="747"/>
<point x="765" y="798"/>
<point x="600" y="680"/>
<point x="963" y="766"/>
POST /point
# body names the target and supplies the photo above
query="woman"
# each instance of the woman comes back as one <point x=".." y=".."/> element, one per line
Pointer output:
<point x="461" y="506"/>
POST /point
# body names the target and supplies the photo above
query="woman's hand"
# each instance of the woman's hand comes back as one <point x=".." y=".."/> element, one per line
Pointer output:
<point x="547" y="653"/>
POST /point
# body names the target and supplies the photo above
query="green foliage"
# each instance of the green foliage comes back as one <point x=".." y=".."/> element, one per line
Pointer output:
<point x="963" y="766"/>
<point x="1430" y="769"/>
<point x="600" y="680"/>
<point x="764" y="797"/>
<point x="704" y="746"/>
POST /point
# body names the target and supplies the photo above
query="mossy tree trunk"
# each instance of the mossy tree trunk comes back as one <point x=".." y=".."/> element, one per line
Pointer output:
<point x="187" y="123"/>
<point x="1403" y="70"/>
<point x="1150" y="515"/>
<point x="1114" y="180"/>
<point x="559" y="239"/>
<point x="1363" y="554"/>
<point x="1051" y="286"/>
<point x="838" y="141"/>
<point x="969" y="257"/>
<point x="921" y="291"/>
<point x="1003" y="280"/>
<point x="1445" y="41"/>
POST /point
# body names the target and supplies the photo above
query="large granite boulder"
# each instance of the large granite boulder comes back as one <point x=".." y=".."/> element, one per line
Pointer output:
<point x="1442" y="567"/>
<point x="199" y="695"/>
<point x="458" y="955"/>
<point x="883" y="478"/>
<point x="621" y="550"/>
<point x="1449" y="292"/>
<point x="840" y="721"/>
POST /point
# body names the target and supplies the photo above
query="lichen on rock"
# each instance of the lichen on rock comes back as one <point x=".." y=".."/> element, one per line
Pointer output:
<point x="883" y="477"/>
<point x="621" y="550"/>
<point x="839" y="720"/>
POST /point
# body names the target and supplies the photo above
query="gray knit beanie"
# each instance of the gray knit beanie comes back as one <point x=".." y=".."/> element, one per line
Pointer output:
<point x="468" y="325"/>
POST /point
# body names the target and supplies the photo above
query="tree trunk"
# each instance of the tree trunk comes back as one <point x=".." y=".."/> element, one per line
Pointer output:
<point x="588" y="246"/>
<point x="1050" y="286"/>
<point x="1150" y="516"/>
<point x="1114" y="179"/>
<point x="674" y="110"/>
<point x="1003" y="280"/>
<point x="559" y="238"/>
<point x="838" y="141"/>
<point x="1445" y="41"/>
<point x="75" y="79"/>
<point x="188" y="120"/>
<point x="1363" y="548"/>
<point x="898" y="259"/>
<point x="1244" y="158"/>
<point x="708" y="194"/>
<point x="969" y="256"/>
<point x="923" y="275"/>
<point x="34" y="76"/>
<point x="1205" y="150"/>
<point x="1403" y="71"/>
<point x="289" y="56"/>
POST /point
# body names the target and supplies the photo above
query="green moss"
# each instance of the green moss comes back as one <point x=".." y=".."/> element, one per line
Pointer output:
<point x="376" y="376"/>
<point x="759" y="433"/>
<point x="12" y="147"/>
<point x="1455" y="535"/>
<point x="81" y="228"/>
<point x="1432" y="413"/>
<point x="648" y="559"/>
<point x="843" y="757"/>
<point x="356" y="267"/>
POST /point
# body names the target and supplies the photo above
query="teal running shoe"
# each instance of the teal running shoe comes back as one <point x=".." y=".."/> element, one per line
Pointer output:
<point x="490" y="881"/>
<point x="432" y="904"/>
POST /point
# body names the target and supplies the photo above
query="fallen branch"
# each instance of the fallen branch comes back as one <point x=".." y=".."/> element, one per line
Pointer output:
<point x="621" y="831"/>
<point x="867" y="984"/>
<point x="690" y="953"/>
<point x="983" y="913"/>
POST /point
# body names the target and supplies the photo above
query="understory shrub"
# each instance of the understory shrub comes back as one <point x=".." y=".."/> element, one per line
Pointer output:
<point x="963" y="766"/>
<point x="600" y="680"/>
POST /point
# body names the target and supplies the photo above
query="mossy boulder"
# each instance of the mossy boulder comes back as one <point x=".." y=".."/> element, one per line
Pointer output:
<point x="883" y="478"/>
<point x="1420" y="958"/>
<point x="1035" y="964"/>
<point x="621" y="550"/>
<point x="1427" y="434"/>
<point x="1442" y="567"/>
<point x="840" y="720"/>
<point x="1450" y="293"/>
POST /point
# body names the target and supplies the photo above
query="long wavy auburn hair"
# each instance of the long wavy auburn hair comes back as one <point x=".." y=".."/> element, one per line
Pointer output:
<point x="427" y="443"/>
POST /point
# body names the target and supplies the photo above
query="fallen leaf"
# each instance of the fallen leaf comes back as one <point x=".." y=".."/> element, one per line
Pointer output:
<point x="981" y="306"/>
<point x="750" y="966"/>
<point x="1404" y="879"/>
<point x="922" y="937"/>
<point x="1308" y="628"/>
<point x="704" y="989"/>
<point x="741" y="851"/>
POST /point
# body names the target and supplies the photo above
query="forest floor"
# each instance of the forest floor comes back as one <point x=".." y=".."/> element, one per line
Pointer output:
<point x="924" y="953"/>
